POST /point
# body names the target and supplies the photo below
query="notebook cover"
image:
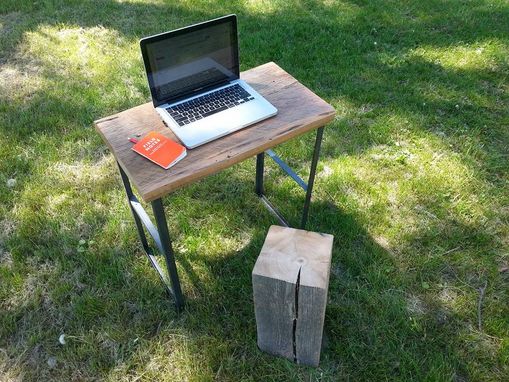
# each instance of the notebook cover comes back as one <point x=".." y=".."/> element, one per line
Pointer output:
<point x="160" y="150"/>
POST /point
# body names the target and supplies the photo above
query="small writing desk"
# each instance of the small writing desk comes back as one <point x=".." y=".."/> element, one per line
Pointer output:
<point x="299" y="111"/>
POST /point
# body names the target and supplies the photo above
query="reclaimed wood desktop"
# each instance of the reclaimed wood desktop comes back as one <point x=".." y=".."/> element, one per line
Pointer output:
<point x="299" y="111"/>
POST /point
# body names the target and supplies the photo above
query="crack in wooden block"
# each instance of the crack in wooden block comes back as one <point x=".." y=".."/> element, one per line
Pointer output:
<point x="296" y="316"/>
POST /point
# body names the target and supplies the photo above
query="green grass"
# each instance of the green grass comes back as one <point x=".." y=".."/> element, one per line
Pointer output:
<point x="413" y="183"/>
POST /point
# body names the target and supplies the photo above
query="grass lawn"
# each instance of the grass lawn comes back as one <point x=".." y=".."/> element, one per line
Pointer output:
<point x="413" y="183"/>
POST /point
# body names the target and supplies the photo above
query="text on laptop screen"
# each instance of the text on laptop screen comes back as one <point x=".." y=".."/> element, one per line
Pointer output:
<point x="183" y="63"/>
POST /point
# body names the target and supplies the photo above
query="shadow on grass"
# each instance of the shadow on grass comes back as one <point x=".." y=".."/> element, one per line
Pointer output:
<point x="374" y="320"/>
<point x="117" y="316"/>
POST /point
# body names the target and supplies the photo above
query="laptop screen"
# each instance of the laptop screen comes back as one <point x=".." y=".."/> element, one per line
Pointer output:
<point x="187" y="61"/>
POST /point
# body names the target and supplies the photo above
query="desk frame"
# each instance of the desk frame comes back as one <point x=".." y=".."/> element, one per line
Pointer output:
<point x="160" y="233"/>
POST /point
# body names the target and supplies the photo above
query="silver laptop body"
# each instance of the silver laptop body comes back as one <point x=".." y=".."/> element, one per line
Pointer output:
<point x="193" y="74"/>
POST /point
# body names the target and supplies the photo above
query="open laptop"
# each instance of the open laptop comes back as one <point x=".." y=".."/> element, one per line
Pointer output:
<point x="193" y="74"/>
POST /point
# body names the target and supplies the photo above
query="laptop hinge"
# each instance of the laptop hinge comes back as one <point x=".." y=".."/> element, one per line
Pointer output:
<point x="196" y="92"/>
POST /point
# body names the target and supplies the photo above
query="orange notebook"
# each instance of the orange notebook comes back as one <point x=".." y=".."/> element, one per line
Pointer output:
<point x="160" y="150"/>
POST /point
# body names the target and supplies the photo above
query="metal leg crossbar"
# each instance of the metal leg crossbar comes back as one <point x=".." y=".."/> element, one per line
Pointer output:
<point x="260" y="159"/>
<point x="160" y="234"/>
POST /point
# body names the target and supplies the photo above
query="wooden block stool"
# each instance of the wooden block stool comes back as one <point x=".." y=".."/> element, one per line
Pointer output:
<point x="290" y="282"/>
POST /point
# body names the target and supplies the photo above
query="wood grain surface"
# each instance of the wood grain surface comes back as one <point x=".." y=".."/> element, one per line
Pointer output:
<point x="288" y="250"/>
<point x="299" y="110"/>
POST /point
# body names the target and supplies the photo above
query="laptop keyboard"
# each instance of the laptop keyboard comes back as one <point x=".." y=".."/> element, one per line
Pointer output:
<point x="201" y="107"/>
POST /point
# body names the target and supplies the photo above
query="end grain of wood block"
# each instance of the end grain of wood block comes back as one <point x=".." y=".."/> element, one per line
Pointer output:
<point x="290" y="283"/>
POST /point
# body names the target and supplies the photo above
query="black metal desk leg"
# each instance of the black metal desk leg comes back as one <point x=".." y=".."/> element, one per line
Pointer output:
<point x="306" y="187"/>
<point x="130" y="195"/>
<point x="161" y="238"/>
<point x="314" y="162"/>
<point x="260" y="158"/>
<point x="164" y="235"/>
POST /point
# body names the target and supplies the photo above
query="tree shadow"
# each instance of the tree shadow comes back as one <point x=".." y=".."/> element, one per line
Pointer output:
<point x="112" y="305"/>
<point x="385" y="78"/>
<point x="372" y="312"/>
<point x="374" y="317"/>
